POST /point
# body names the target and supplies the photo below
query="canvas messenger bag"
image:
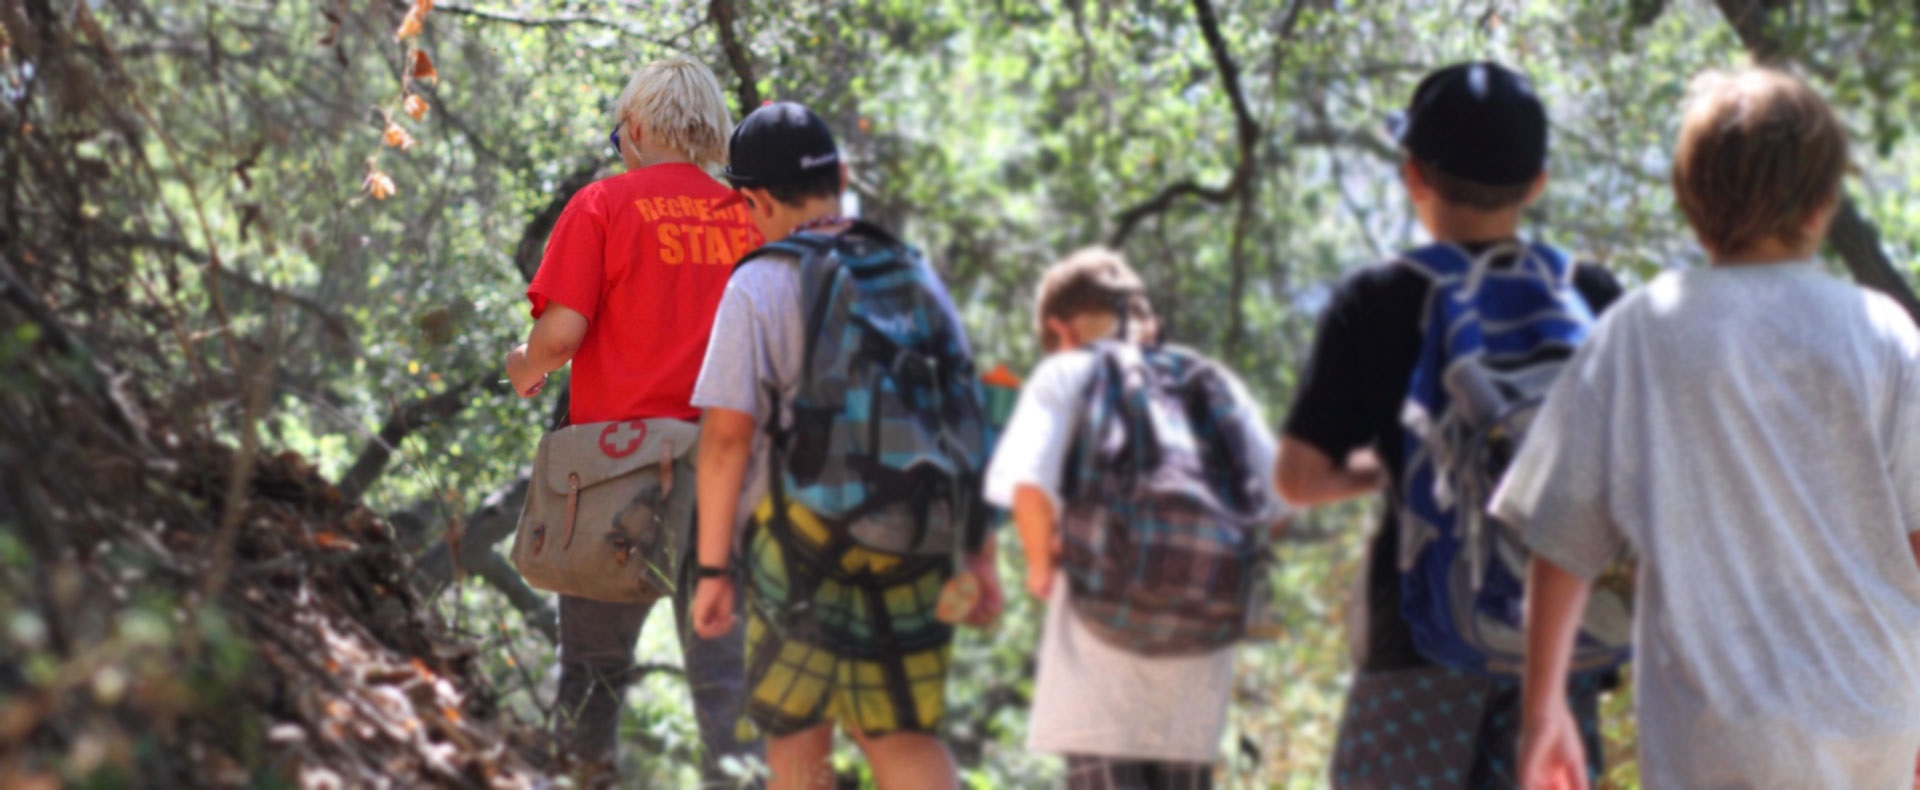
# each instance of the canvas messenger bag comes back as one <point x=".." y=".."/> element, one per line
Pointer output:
<point x="609" y="510"/>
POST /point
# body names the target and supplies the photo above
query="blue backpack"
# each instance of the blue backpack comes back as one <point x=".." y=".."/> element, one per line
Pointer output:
<point x="889" y="436"/>
<point x="1494" y="341"/>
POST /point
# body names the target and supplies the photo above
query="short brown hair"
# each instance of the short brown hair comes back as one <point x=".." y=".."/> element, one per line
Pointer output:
<point x="1759" y="151"/>
<point x="1472" y="194"/>
<point x="1091" y="280"/>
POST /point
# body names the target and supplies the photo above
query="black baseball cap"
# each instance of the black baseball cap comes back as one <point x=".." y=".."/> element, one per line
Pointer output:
<point x="1477" y="121"/>
<point x="775" y="144"/>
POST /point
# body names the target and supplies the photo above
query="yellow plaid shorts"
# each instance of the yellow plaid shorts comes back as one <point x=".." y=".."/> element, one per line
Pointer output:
<point x="836" y="632"/>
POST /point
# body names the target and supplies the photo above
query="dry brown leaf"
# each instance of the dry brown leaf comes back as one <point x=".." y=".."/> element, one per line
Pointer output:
<point x="332" y="540"/>
<point x="397" y="137"/>
<point x="423" y="67"/>
<point x="415" y="107"/>
<point x="379" y="185"/>
<point x="19" y="778"/>
<point x="20" y="716"/>
<point x="410" y="26"/>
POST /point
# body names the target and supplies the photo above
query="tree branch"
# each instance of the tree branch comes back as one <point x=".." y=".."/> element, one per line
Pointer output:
<point x="335" y="324"/>
<point x="402" y="421"/>
<point x="533" y="240"/>
<point x="1851" y="235"/>
<point x="1858" y="243"/>
<point x="1358" y="139"/>
<point x="1237" y="282"/>
<point x="1751" y="21"/>
<point x="722" y="14"/>
<point x="1248" y="131"/>
<point x="563" y="20"/>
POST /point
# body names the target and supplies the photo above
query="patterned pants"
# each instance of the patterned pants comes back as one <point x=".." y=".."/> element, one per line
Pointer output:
<point x="1108" y="773"/>
<point x="1441" y="728"/>
<point x="840" y="633"/>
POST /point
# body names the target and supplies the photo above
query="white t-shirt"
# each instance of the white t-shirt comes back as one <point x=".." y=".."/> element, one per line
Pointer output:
<point x="1753" y="432"/>
<point x="1092" y="698"/>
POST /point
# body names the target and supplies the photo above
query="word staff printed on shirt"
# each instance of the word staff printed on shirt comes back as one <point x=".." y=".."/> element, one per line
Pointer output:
<point x="706" y="243"/>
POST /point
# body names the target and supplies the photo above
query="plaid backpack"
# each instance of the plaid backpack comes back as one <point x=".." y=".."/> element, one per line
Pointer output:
<point x="889" y="433"/>
<point x="1496" y="339"/>
<point x="1165" y="532"/>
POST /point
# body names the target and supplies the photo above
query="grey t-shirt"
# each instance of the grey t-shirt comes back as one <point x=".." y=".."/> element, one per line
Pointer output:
<point x="756" y="349"/>
<point x="1092" y="698"/>
<point x="1753" y="433"/>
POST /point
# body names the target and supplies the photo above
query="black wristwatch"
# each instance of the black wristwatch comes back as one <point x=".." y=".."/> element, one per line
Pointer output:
<point x="711" y="572"/>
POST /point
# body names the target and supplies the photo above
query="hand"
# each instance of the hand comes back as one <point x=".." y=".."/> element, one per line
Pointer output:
<point x="1551" y="755"/>
<point x="713" y="608"/>
<point x="992" y="598"/>
<point x="520" y="372"/>
<point x="1364" y="468"/>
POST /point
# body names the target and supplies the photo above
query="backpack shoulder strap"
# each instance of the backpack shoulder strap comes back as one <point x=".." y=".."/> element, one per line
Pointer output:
<point x="1438" y="261"/>
<point x="799" y="246"/>
<point x="1554" y="262"/>
<point x="817" y="275"/>
<point x="861" y="227"/>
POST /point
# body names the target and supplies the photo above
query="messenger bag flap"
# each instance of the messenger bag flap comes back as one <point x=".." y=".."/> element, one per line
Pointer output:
<point x="602" y="451"/>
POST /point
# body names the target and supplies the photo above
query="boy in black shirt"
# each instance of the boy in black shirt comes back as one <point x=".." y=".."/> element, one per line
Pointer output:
<point x="1475" y="143"/>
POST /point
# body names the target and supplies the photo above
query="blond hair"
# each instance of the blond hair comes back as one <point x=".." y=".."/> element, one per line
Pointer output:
<point x="679" y="107"/>
<point x="1759" y="152"/>
<point x="1091" y="280"/>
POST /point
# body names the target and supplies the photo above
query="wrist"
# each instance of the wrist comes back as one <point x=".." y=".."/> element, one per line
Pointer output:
<point x="1540" y="711"/>
<point x="704" y="571"/>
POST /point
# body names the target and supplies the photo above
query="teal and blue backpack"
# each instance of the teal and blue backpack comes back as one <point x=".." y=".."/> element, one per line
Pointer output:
<point x="889" y="436"/>
<point x="1495" y="339"/>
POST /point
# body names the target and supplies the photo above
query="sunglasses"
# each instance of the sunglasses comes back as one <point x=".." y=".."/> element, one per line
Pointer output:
<point x="614" y="138"/>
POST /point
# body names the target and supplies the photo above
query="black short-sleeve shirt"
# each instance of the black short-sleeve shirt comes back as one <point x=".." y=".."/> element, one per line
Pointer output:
<point x="1351" y="396"/>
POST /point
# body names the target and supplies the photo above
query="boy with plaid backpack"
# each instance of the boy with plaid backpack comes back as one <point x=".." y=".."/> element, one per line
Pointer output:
<point x="844" y="425"/>
<point x="1141" y="475"/>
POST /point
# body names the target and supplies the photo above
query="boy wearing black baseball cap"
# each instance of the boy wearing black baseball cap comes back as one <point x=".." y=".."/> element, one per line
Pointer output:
<point x="838" y="629"/>
<point x="1474" y="142"/>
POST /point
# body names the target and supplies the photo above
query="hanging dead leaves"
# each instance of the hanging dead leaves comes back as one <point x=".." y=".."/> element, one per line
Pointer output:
<point x="423" y="70"/>
<point x="397" y="137"/>
<point x="415" y="22"/>
<point x="377" y="183"/>
<point x="419" y="69"/>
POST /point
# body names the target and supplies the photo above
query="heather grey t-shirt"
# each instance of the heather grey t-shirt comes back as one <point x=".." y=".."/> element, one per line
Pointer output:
<point x="1753" y="432"/>
<point x="756" y="349"/>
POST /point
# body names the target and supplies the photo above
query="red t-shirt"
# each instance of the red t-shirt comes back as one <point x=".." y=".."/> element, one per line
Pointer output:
<point x="645" y="258"/>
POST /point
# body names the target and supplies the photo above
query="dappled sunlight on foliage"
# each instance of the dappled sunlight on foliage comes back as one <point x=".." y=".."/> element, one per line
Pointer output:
<point x="259" y="264"/>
